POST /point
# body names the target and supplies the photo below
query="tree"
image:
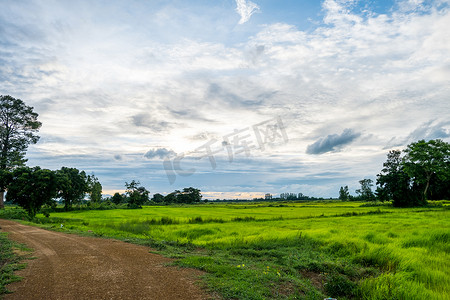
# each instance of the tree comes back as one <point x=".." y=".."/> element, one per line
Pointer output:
<point x="172" y="197"/>
<point x="73" y="186"/>
<point x="366" y="190"/>
<point x="423" y="160"/>
<point x="18" y="125"/>
<point x="95" y="189"/>
<point x="343" y="193"/>
<point x="117" y="198"/>
<point x="189" y="195"/>
<point x="136" y="195"/>
<point x="31" y="188"/>
<point x="394" y="183"/>
<point x="158" y="198"/>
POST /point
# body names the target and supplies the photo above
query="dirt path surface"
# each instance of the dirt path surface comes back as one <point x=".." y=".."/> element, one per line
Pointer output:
<point x="74" y="267"/>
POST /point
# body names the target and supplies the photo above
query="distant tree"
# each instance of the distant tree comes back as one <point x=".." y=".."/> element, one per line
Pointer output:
<point x="117" y="198"/>
<point x="136" y="195"/>
<point x="31" y="188"/>
<point x="18" y="125"/>
<point x="95" y="189"/>
<point x="172" y="197"/>
<point x="189" y="195"/>
<point x="343" y="193"/>
<point x="365" y="192"/>
<point x="423" y="160"/>
<point x="158" y="198"/>
<point x="73" y="186"/>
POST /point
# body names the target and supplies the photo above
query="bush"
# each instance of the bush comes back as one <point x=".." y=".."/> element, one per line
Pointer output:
<point x="339" y="285"/>
<point x="14" y="213"/>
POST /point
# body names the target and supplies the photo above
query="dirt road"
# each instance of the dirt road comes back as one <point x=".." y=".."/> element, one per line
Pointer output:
<point x="74" y="267"/>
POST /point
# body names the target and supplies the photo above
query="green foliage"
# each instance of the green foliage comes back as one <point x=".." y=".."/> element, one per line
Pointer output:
<point x="365" y="193"/>
<point x="316" y="250"/>
<point x="158" y="198"/>
<point x="17" y="130"/>
<point x="188" y="195"/>
<point x="422" y="173"/>
<point x="339" y="285"/>
<point x="344" y="195"/>
<point x="424" y="159"/>
<point x="136" y="195"/>
<point x="73" y="186"/>
<point x="15" y="213"/>
<point x="18" y="127"/>
<point x="394" y="183"/>
<point x="31" y="188"/>
<point x="94" y="189"/>
<point x="117" y="198"/>
<point x="9" y="262"/>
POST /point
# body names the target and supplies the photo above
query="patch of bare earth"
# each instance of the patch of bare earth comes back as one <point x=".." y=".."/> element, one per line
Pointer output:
<point x="75" y="267"/>
<point x="315" y="278"/>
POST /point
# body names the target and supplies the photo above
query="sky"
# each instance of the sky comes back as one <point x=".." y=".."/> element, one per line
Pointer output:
<point x="237" y="98"/>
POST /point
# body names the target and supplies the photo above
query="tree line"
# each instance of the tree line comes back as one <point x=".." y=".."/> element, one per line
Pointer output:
<point x="135" y="196"/>
<point x="409" y="177"/>
<point x="33" y="187"/>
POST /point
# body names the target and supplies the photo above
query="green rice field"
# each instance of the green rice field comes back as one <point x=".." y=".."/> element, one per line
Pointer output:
<point x="312" y="250"/>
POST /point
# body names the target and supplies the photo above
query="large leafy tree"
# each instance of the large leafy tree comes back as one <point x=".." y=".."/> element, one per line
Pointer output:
<point x="189" y="195"/>
<point x="31" y="188"/>
<point x="117" y="198"/>
<point x="344" y="195"/>
<point x="425" y="160"/>
<point x="95" y="189"/>
<point x="394" y="183"/>
<point x="158" y="198"/>
<point x="136" y="195"/>
<point x="73" y="186"/>
<point x="410" y="180"/>
<point x="18" y="127"/>
<point x="365" y="191"/>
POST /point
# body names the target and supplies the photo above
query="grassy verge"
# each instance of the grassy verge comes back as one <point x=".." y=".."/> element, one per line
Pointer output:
<point x="10" y="261"/>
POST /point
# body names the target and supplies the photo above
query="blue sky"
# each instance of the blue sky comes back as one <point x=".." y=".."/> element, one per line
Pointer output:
<point x="287" y="96"/>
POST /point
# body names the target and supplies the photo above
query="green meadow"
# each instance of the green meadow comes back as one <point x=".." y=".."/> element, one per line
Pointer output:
<point x="312" y="250"/>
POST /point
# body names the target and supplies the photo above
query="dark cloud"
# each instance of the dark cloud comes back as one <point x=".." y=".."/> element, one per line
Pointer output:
<point x="147" y="121"/>
<point x="430" y="131"/>
<point x="160" y="153"/>
<point x="188" y="114"/>
<point x="118" y="157"/>
<point x="202" y="136"/>
<point x="332" y="142"/>
<point x="426" y="131"/>
<point x="219" y="93"/>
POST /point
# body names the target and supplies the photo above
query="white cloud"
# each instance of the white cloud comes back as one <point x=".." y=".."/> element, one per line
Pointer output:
<point x="246" y="8"/>
<point x="115" y="84"/>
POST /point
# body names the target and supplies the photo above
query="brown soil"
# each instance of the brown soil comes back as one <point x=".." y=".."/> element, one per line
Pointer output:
<point x="75" y="267"/>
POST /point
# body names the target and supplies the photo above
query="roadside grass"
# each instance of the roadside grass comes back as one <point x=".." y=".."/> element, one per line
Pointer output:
<point x="344" y="250"/>
<point x="10" y="261"/>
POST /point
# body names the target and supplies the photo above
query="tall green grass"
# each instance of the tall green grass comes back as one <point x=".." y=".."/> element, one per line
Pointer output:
<point x="292" y="250"/>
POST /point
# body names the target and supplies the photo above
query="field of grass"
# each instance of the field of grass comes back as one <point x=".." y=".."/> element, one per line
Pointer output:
<point x="345" y="250"/>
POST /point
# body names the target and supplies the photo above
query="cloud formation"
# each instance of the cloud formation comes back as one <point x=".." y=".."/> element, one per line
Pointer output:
<point x="427" y="131"/>
<point x="159" y="153"/>
<point x="246" y="8"/>
<point x="117" y="78"/>
<point x="332" y="142"/>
